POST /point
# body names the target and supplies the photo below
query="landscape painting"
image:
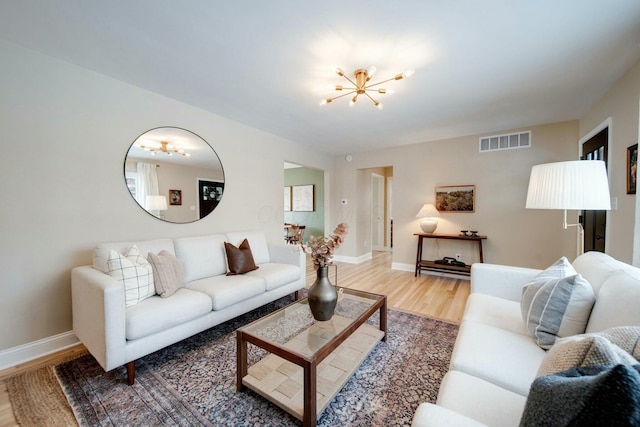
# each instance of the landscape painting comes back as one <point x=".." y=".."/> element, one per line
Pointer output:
<point x="456" y="198"/>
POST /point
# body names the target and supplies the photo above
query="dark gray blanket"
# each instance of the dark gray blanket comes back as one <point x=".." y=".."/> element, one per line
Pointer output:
<point x="590" y="396"/>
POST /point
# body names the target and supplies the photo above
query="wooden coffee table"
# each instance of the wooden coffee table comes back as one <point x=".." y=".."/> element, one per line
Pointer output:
<point x="310" y="361"/>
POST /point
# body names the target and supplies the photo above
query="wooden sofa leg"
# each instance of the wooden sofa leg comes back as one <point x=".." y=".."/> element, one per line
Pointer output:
<point x="296" y="296"/>
<point x="131" y="372"/>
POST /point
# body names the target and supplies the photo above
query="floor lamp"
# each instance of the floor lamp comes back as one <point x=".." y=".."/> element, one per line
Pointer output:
<point x="576" y="185"/>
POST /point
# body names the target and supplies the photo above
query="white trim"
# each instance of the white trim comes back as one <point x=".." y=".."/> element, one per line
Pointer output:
<point x="353" y="260"/>
<point x="607" y="123"/>
<point x="412" y="268"/>
<point x="403" y="267"/>
<point x="36" y="349"/>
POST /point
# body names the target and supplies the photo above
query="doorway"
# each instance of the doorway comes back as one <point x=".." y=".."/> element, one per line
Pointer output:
<point x="209" y="195"/>
<point x="595" y="222"/>
<point x="377" y="212"/>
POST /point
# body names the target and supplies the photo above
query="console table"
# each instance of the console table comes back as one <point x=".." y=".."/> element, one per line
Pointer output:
<point x="444" y="268"/>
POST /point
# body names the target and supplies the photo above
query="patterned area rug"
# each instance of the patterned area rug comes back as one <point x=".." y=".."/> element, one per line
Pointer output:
<point x="193" y="382"/>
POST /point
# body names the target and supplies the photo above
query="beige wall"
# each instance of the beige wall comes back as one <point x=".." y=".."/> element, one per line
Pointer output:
<point x="65" y="133"/>
<point x="517" y="236"/>
<point x="621" y="105"/>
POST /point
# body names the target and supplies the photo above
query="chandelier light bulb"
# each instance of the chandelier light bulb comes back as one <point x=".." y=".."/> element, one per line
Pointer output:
<point x="371" y="71"/>
<point x="379" y="105"/>
<point x="408" y="73"/>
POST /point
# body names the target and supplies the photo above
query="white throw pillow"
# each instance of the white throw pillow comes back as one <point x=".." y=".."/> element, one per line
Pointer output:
<point x="134" y="272"/>
<point x="556" y="303"/>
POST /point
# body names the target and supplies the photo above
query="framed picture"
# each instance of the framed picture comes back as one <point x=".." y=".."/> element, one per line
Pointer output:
<point x="632" y="168"/>
<point x="456" y="198"/>
<point x="302" y="198"/>
<point x="175" y="197"/>
<point x="287" y="199"/>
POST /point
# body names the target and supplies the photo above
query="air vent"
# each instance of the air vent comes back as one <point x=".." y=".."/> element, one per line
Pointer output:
<point x="505" y="142"/>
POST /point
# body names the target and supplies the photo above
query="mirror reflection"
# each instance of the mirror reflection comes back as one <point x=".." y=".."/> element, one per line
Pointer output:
<point x="174" y="174"/>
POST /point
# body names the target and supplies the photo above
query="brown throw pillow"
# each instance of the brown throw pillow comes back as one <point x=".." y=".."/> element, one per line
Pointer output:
<point x="168" y="274"/>
<point x="240" y="259"/>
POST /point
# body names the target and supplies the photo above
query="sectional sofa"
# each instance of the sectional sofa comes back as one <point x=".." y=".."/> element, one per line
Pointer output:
<point x="498" y="356"/>
<point x="119" y="325"/>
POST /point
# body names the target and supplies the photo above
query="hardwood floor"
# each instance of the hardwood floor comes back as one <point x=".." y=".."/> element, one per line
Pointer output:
<point x="431" y="296"/>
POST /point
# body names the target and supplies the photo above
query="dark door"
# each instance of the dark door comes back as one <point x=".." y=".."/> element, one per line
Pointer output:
<point x="209" y="195"/>
<point x="595" y="222"/>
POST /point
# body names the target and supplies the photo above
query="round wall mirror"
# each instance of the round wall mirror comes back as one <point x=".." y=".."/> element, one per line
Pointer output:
<point x="174" y="175"/>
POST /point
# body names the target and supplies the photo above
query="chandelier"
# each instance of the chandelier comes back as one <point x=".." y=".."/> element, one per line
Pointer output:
<point x="164" y="148"/>
<point x="360" y="86"/>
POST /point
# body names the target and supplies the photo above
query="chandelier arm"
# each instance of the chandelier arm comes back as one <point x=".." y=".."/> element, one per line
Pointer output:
<point x="372" y="100"/>
<point x="350" y="81"/>
<point x="344" y="94"/>
<point x="379" y="83"/>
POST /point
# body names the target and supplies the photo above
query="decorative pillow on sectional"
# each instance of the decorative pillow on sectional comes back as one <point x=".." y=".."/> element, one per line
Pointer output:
<point x="581" y="351"/>
<point x="135" y="273"/>
<point x="168" y="274"/>
<point x="240" y="259"/>
<point x="556" y="304"/>
<point x="593" y="396"/>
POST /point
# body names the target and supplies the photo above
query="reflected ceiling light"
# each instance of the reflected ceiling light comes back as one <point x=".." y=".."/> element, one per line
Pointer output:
<point x="360" y="86"/>
<point x="164" y="148"/>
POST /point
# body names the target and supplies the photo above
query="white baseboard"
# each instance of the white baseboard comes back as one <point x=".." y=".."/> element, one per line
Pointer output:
<point x="412" y="268"/>
<point x="353" y="260"/>
<point x="33" y="350"/>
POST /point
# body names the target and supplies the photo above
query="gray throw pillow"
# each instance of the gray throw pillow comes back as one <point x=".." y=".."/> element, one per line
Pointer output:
<point x="556" y="303"/>
<point x="168" y="274"/>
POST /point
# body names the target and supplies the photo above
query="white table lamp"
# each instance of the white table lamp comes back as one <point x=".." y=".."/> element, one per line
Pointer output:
<point x="156" y="204"/>
<point x="430" y="215"/>
<point x="576" y="185"/>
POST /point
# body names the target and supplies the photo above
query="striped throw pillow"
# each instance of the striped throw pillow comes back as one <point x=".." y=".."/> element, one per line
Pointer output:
<point x="556" y="303"/>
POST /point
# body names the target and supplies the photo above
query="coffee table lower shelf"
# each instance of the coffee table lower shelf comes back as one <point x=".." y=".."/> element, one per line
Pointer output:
<point x="282" y="382"/>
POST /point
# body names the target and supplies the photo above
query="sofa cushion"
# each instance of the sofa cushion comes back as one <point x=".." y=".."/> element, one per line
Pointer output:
<point x="134" y="273"/>
<point x="617" y="303"/>
<point x="239" y="259"/>
<point x="276" y="275"/>
<point x="257" y="241"/>
<point x="507" y="359"/>
<point x="168" y="275"/>
<point x="159" y="314"/>
<point x="598" y="267"/>
<point x="556" y="307"/>
<point x="593" y="396"/>
<point x="430" y="415"/>
<point x="225" y="291"/>
<point x="480" y="400"/>
<point x="495" y="311"/>
<point x="201" y="256"/>
<point x="101" y="252"/>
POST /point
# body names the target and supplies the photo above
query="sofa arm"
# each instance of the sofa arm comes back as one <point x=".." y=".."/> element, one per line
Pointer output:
<point x="288" y="254"/>
<point x="428" y="415"/>
<point x="98" y="307"/>
<point x="502" y="281"/>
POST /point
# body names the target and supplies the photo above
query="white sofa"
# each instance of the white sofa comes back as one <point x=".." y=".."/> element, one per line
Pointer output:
<point x="116" y="335"/>
<point x="495" y="360"/>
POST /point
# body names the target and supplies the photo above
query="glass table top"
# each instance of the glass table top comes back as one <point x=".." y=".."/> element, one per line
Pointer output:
<point x="295" y="329"/>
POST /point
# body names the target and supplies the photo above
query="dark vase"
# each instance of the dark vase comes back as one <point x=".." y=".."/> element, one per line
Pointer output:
<point x="322" y="296"/>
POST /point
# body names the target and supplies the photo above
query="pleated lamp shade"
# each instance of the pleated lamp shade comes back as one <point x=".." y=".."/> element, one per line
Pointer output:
<point x="572" y="185"/>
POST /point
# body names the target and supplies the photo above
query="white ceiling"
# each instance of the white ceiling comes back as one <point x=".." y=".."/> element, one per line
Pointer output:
<point x="481" y="66"/>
